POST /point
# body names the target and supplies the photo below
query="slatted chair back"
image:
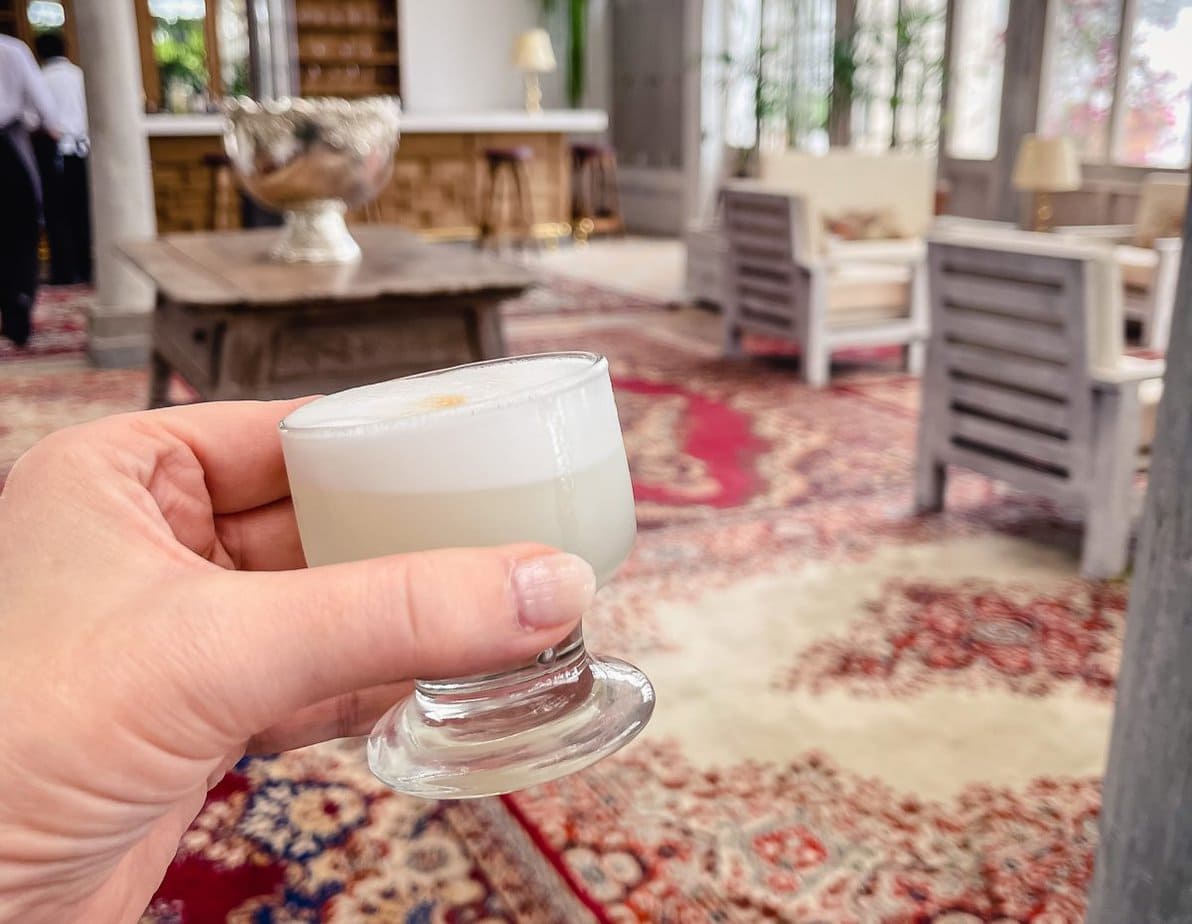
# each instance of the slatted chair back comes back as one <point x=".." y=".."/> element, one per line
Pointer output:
<point x="769" y="287"/>
<point x="1015" y="330"/>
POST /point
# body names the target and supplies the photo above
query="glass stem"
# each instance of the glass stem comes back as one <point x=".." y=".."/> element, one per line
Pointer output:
<point x="558" y="678"/>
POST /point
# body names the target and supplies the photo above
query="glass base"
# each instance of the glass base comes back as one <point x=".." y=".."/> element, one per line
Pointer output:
<point x="316" y="233"/>
<point x="487" y="736"/>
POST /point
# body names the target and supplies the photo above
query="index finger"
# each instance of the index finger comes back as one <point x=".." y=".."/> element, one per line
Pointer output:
<point x="238" y="446"/>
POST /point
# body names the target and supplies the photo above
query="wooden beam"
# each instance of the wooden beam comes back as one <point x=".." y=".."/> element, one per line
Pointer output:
<point x="215" y="87"/>
<point x="1146" y="835"/>
<point x="1025" y="30"/>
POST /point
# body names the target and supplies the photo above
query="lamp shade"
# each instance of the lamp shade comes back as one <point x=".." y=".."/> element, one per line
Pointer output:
<point x="1047" y="165"/>
<point x="533" y="52"/>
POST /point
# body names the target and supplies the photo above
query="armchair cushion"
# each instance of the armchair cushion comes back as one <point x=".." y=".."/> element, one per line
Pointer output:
<point x="874" y="225"/>
<point x="905" y="252"/>
<point x="1161" y="206"/>
<point x="864" y="293"/>
<point x="900" y="185"/>
<point x="1138" y="265"/>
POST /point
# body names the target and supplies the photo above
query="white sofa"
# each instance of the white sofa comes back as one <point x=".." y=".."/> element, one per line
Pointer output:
<point x="898" y="187"/>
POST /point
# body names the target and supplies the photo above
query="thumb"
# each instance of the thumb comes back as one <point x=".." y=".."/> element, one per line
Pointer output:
<point x="278" y="641"/>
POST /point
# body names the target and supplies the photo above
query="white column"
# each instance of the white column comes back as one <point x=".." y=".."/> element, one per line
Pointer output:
<point x="121" y="183"/>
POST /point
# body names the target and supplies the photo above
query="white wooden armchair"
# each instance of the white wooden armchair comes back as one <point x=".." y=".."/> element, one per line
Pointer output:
<point x="1148" y="253"/>
<point x="781" y="284"/>
<point x="1026" y="380"/>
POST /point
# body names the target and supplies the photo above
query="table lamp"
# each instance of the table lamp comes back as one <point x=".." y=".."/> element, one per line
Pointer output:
<point x="1045" y="166"/>
<point x="533" y="55"/>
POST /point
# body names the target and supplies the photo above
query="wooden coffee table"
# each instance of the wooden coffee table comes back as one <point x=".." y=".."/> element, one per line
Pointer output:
<point x="235" y="324"/>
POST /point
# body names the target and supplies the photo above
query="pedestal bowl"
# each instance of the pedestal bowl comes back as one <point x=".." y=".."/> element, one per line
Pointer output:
<point x="312" y="160"/>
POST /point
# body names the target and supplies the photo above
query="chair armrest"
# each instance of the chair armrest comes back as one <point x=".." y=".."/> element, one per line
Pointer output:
<point x="1168" y="245"/>
<point x="1130" y="370"/>
<point x="902" y="252"/>
<point x="1099" y="232"/>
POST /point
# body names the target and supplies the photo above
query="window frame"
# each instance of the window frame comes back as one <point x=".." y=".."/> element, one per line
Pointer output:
<point x="150" y="77"/>
<point x="69" y="34"/>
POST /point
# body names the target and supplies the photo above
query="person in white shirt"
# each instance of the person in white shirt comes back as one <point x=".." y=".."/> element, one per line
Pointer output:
<point x="63" y="164"/>
<point x="22" y="89"/>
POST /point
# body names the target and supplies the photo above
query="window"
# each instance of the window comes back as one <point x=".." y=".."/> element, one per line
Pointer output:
<point x="1120" y="86"/>
<point x="46" y="15"/>
<point x="180" y="53"/>
<point x="978" y="60"/>
<point x="1081" y="73"/>
<point x="743" y="101"/>
<point x="193" y="51"/>
<point x="778" y="73"/>
<point x="1153" y="129"/>
<point x="897" y="58"/>
<point x="233" y="46"/>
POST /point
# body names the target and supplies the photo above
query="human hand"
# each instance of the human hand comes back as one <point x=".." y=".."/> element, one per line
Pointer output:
<point x="157" y="622"/>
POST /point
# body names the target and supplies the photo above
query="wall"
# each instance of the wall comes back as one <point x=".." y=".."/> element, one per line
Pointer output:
<point x="456" y="55"/>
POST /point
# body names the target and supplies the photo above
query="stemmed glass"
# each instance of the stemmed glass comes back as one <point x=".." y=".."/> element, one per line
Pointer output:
<point x="511" y="450"/>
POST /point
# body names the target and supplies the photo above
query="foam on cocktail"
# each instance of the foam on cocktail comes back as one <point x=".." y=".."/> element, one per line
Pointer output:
<point x="526" y="450"/>
<point x="468" y="428"/>
<point x="474" y="387"/>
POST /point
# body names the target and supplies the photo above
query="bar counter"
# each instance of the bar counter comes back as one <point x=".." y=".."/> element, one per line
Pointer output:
<point x="438" y="177"/>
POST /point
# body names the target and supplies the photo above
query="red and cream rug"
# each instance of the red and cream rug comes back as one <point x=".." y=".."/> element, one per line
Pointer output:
<point x="863" y="717"/>
<point x="59" y="324"/>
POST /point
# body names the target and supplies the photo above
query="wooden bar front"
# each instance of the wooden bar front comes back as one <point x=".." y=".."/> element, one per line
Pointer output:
<point x="436" y="189"/>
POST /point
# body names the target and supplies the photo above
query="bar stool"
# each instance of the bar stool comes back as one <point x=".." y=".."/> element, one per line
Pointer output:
<point x="514" y="162"/>
<point x="595" y="199"/>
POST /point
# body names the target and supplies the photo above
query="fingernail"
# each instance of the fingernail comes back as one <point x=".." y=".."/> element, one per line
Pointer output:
<point x="552" y="590"/>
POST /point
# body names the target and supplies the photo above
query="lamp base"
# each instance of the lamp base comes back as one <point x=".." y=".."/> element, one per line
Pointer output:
<point x="533" y="93"/>
<point x="1043" y="212"/>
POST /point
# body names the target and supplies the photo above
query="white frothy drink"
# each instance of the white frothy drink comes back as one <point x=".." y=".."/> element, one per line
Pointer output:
<point x="524" y="450"/>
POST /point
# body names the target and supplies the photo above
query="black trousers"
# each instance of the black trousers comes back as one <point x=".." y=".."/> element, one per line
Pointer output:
<point x="67" y="211"/>
<point x="20" y="229"/>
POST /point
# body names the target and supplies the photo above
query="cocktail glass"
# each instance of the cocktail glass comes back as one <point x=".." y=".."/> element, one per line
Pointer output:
<point x="526" y="449"/>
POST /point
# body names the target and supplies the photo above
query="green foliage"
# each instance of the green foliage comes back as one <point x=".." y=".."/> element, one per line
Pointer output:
<point x="577" y="51"/>
<point x="239" y="83"/>
<point x="910" y="29"/>
<point x="770" y="97"/>
<point x="180" y="49"/>
<point x="577" y="44"/>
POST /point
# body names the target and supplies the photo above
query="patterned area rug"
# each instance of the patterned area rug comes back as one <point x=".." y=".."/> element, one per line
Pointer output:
<point x="863" y="717"/>
<point x="59" y="324"/>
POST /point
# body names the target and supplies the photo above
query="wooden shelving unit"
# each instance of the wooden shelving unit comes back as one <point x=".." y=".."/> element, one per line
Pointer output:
<point x="347" y="47"/>
<point x="13" y="20"/>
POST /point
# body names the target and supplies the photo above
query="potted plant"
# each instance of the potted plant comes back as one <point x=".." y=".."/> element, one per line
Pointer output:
<point x="577" y="45"/>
